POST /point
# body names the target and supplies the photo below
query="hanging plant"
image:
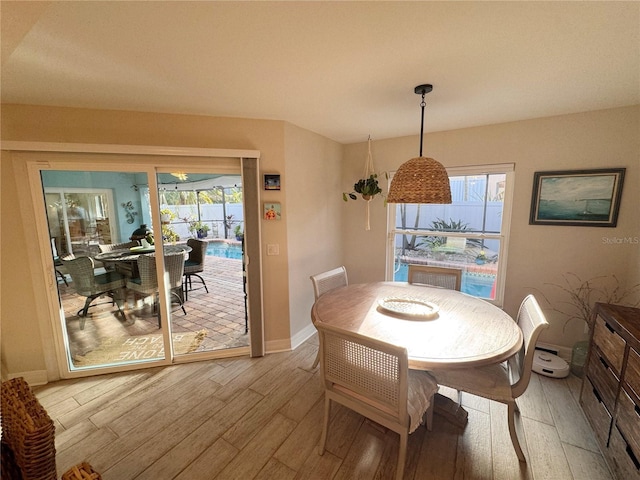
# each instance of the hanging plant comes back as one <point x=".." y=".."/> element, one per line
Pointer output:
<point x="367" y="187"/>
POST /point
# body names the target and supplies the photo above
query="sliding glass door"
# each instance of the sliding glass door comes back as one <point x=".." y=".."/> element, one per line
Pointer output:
<point x="205" y="212"/>
<point x="109" y="285"/>
<point x="133" y="290"/>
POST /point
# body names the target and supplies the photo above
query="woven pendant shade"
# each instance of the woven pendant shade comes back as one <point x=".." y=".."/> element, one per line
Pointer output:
<point x="420" y="180"/>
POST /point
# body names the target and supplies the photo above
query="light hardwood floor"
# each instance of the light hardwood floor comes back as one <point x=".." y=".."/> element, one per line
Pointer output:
<point x="261" y="419"/>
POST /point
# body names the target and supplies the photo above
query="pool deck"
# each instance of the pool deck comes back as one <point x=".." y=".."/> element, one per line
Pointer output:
<point x="221" y="312"/>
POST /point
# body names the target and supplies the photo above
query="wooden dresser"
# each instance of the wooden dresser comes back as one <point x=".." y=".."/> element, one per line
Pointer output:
<point x="610" y="393"/>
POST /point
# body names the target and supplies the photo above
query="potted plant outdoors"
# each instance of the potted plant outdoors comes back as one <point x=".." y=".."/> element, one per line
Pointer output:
<point x="366" y="187"/>
<point x="202" y="229"/>
<point x="239" y="233"/>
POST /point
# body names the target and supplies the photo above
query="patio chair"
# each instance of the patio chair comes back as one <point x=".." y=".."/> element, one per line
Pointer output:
<point x="124" y="268"/>
<point x="147" y="283"/>
<point x="86" y="283"/>
<point x="57" y="263"/>
<point x="322" y="283"/>
<point x="506" y="381"/>
<point x="450" y="278"/>
<point x="110" y="247"/>
<point x="194" y="265"/>
<point x="373" y="379"/>
<point x="28" y="438"/>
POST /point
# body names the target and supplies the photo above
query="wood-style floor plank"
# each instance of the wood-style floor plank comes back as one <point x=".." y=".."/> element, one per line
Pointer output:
<point x="586" y="465"/>
<point x="258" y="419"/>
<point x="568" y="417"/>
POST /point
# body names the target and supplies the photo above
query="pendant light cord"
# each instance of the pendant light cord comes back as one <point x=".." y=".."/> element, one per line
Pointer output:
<point x="422" y="105"/>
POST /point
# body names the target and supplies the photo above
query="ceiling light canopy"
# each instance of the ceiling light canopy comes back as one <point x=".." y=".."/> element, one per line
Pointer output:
<point x="421" y="179"/>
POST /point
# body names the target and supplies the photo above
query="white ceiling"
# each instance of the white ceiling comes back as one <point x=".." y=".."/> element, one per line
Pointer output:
<point x="345" y="70"/>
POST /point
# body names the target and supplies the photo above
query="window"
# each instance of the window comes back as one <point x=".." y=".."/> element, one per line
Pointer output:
<point x="470" y="234"/>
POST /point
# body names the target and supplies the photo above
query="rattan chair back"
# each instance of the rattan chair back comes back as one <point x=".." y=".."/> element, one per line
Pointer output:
<point x="197" y="255"/>
<point x="87" y="284"/>
<point x="450" y="278"/>
<point x="531" y="321"/>
<point x="372" y="378"/>
<point x="325" y="281"/>
<point x="110" y="247"/>
<point x="194" y="265"/>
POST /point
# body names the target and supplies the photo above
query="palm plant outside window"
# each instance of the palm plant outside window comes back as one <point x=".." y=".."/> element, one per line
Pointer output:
<point x="470" y="234"/>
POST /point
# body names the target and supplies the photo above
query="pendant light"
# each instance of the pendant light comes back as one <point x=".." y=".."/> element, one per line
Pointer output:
<point x="421" y="179"/>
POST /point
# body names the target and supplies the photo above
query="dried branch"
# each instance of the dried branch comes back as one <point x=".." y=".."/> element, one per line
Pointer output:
<point x="583" y="295"/>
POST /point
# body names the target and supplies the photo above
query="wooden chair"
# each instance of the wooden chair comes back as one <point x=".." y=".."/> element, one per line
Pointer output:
<point x="86" y="283"/>
<point x="450" y="278"/>
<point x="28" y="438"/>
<point x="147" y="283"/>
<point x="373" y="379"/>
<point x="325" y="281"/>
<point x="507" y="381"/>
<point x="194" y="264"/>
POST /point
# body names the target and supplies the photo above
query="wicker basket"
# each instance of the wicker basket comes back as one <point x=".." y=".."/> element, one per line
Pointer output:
<point x="28" y="431"/>
<point x="28" y="438"/>
<point x="84" y="471"/>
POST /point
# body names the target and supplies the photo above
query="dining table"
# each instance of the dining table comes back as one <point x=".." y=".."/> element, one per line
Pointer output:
<point x="125" y="261"/>
<point x="440" y="328"/>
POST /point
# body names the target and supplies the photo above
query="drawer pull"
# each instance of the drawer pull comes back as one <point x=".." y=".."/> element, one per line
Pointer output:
<point x="597" y="395"/>
<point x="633" y="457"/>
<point x="609" y="327"/>
<point x="603" y="362"/>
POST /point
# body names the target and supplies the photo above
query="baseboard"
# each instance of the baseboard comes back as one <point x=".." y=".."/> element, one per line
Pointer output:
<point x="277" y="346"/>
<point x="302" y="336"/>
<point x="33" y="378"/>
<point x="562" y="352"/>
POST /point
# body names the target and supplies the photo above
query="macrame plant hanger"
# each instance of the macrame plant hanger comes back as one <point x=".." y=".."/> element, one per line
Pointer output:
<point x="368" y="171"/>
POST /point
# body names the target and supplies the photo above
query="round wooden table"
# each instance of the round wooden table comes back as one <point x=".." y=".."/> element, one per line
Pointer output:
<point x="465" y="332"/>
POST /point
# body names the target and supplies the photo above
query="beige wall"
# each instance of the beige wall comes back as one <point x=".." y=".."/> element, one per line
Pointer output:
<point x="23" y="340"/>
<point x="537" y="254"/>
<point x="318" y="231"/>
<point x="314" y="209"/>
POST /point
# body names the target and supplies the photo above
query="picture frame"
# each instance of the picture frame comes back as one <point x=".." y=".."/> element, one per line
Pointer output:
<point x="581" y="198"/>
<point x="271" y="181"/>
<point x="272" y="211"/>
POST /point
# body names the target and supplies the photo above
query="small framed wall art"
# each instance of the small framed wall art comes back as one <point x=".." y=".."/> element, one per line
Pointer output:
<point x="585" y="198"/>
<point x="271" y="211"/>
<point x="271" y="181"/>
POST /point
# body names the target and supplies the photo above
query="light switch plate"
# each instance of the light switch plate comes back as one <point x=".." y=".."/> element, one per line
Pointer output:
<point x="273" y="249"/>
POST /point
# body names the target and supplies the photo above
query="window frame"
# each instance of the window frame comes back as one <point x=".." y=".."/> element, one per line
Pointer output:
<point x="508" y="169"/>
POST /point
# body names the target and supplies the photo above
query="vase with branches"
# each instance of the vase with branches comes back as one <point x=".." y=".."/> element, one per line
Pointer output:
<point x="579" y="302"/>
<point x="581" y="296"/>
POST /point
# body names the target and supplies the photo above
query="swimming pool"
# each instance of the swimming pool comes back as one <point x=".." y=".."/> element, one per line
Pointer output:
<point x="476" y="284"/>
<point x="225" y="250"/>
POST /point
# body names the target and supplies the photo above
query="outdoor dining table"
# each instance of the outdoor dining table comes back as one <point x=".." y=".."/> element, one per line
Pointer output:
<point x="440" y="328"/>
<point x="126" y="261"/>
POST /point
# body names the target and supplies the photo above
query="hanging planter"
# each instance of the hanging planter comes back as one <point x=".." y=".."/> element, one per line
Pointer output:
<point x="367" y="186"/>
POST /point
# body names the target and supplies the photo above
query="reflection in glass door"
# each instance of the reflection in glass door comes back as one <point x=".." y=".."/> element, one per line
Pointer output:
<point x="204" y="213"/>
<point x="105" y="269"/>
<point x="105" y="248"/>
